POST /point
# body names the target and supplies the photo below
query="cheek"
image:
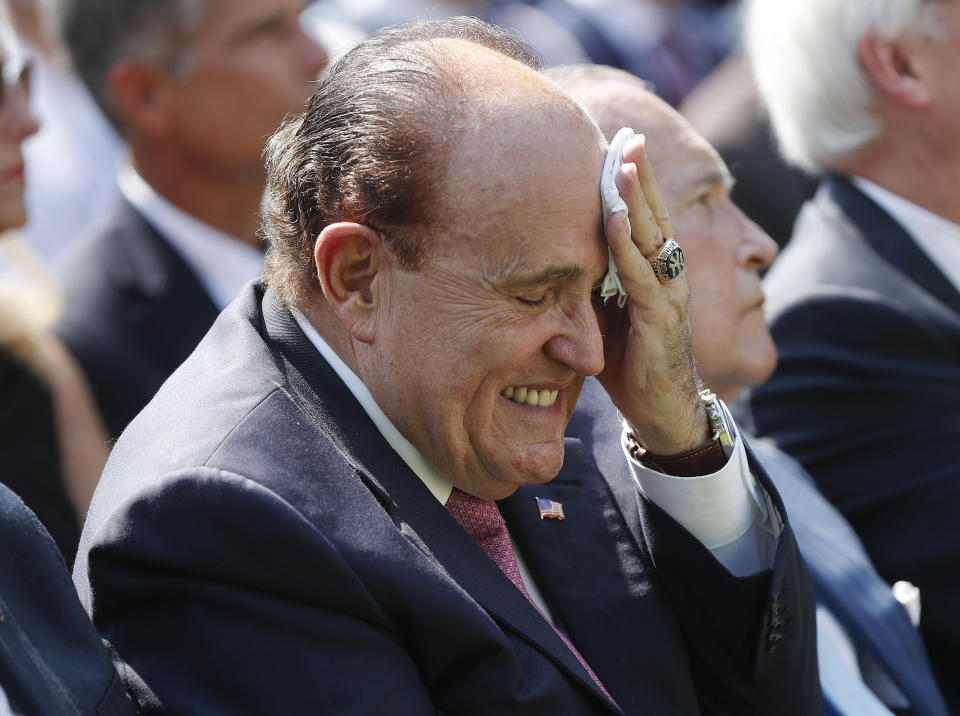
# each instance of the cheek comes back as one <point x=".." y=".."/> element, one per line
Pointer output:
<point x="713" y="302"/>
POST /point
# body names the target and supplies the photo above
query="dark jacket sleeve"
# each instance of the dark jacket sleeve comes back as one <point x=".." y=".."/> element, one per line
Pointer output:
<point x="208" y="601"/>
<point x="866" y="397"/>
<point x="751" y="640"/>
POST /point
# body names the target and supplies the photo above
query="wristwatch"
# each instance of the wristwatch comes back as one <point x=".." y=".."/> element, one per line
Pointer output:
<point x="717" y="416"/>
<point x="702" y="460"/>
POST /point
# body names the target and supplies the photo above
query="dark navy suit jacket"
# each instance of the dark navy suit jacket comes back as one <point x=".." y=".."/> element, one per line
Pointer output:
<point x="847" y="584"/>
<point x="132" y="311"/>
<point x="51" y="659"/>
<point x="867" y="396"/>
<point x="256" y="546"/>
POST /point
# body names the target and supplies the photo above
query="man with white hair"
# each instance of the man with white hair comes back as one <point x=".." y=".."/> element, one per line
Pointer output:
<point x="859" y="621"/>
<point x="864" y="303"/>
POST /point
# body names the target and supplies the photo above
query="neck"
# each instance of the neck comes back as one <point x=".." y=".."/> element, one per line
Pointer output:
<point x="330" y="327"/>
<point x="226" y="201"/>
<point x="908" y="169"/>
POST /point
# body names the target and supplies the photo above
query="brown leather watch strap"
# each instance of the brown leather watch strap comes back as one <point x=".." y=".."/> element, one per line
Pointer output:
<point x="703" y="460"/>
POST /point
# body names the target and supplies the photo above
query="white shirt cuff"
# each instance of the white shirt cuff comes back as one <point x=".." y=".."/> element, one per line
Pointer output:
<point x="727" y="511"/>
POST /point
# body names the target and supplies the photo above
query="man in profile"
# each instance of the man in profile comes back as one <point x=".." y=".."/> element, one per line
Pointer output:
<point x="356" y="495"/>
<point x="856" y="610"/>
<point x="195" y="87"/>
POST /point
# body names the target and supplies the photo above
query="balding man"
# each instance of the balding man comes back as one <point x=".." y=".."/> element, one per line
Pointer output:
<point x="871" y="657"/>
<point x="356" y="495"/>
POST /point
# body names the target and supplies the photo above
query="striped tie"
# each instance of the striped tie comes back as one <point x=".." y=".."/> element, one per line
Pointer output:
<point x="481" y="519"/>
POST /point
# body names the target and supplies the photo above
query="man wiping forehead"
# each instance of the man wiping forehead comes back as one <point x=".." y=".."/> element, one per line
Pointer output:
<point x="436" y="249"/>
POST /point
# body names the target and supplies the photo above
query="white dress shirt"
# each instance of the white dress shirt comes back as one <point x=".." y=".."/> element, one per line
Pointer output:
<point x="4" y="704"/>
<point x="727" y="511"/>
<point x="222" y="263"/>
<point x="937" y="237"/>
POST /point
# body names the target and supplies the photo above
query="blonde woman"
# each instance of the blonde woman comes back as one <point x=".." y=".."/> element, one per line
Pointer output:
<point x="52" y="441"/>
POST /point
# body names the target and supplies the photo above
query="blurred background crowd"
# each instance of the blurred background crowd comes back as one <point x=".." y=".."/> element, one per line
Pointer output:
<point x="131" y="180"/>
<point x="69" y="156"/>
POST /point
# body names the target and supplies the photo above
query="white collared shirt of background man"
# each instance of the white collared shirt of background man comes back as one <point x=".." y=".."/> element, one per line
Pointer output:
<point x="937" y="237"/>
<point x="222" y="263"/>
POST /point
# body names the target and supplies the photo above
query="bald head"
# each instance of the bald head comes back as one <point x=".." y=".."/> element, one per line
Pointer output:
<point x="724" y="250"/>
<point x="391" y="135"/>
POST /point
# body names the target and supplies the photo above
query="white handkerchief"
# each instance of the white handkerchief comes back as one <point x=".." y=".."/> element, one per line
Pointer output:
<point x="612" y="201"/>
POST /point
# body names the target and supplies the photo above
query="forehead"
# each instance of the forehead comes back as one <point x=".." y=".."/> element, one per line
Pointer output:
<point x="679" y="155"/>
<point x="233" y="21"/>
<point x="525" y="190"/>
<point x="524" y="159"/>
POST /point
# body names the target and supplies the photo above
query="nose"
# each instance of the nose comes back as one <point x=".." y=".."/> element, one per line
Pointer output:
<point x="756" y="250"/>
<point x="18" y="122"/>
<point x="578" y="340"/>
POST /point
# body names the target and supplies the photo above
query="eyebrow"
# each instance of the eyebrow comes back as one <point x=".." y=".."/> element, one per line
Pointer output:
<point x="715" y="176"/>
<point x="546" y="274"/>
<point x="551" y="274"/>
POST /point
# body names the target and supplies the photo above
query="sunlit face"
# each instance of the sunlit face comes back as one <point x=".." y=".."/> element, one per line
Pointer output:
<point x="507" y="305"/>
<point x="724" y="251"/>
<point x="16" y="124"/>
<point x="248" y="66"/>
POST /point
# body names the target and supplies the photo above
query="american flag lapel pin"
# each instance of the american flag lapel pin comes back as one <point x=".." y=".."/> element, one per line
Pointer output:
<point x="550" y="509"/>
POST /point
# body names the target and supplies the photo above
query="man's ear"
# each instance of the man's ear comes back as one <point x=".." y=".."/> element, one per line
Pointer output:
<point x="140" y="93"/>
<point x="348" y="257"/>
<point x="890" y="65"/>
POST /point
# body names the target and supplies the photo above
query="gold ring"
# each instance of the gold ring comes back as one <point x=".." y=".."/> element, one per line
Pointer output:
<point x="668" y="263"/>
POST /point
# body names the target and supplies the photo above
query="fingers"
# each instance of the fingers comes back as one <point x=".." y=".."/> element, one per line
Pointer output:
<point x="635" y="271"/>
<point x="635" y="152"/>
<point x="651" y="190"/>
<point x="646" y="231"/>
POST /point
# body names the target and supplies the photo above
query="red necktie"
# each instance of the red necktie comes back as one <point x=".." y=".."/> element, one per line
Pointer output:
<point x="482" y="520"/>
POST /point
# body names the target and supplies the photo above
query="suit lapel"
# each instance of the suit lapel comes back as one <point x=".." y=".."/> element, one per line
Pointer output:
<point x="163" y="293"/>
<point x="591" y="569"/>
<point x="889" y="240"/>
<point x="413" y="508"/>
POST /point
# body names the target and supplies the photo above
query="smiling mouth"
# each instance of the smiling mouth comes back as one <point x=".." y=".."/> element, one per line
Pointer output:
<point x="543" y="398"/>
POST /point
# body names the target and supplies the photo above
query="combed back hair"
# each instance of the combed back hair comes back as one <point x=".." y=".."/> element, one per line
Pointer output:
<point x="97" y="34"/>
<point x="371" y="148"/>
<point x="805" y="59"/>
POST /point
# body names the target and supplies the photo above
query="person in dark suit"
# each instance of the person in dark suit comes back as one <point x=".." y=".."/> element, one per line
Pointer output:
<point x="51" y="659"/>
<point x="349" y="497"/>
<point x="864" y="303"/>
<point x="725" y="253"/>
<point x="175" y="78"/>
<point x="51" y="438"/>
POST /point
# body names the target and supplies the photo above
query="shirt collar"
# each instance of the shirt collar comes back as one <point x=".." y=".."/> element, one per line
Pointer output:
<point x="438" y="487"/>
<point x="937" y="237"/>
<point x="223" y="263"/>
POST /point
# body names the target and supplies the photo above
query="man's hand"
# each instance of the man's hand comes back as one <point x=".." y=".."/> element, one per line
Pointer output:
<point x="649" y="367"/>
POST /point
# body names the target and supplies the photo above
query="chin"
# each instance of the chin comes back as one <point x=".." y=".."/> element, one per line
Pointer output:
<point x="12" y="217"/>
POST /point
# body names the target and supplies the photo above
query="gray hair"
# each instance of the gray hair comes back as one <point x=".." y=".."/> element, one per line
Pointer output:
<point x="371" y="148"/>
<point x="98" y="34"/>
<point x="805" y="59"/>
